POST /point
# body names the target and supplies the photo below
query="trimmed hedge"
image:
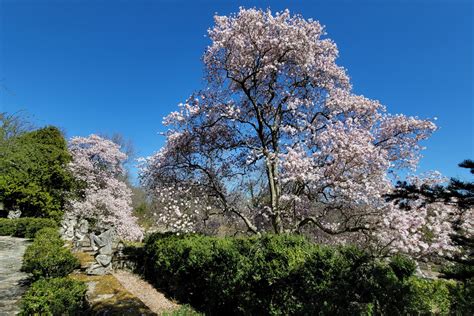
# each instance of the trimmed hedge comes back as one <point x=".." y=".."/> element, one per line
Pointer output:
<point x="24" y="226"/>
<point x="57" y="296"/>
<point x="287" y="275"/>
<point x="47" y="257"/>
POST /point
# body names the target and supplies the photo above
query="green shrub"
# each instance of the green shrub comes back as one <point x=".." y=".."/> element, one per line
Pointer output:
<point x="429" y="297"/>
<point x="346" y="281"/>
<point x="24" y="226"/>
<point x="7" y="227"/>
<point x="463" y="298"/>
<point x="286" y="275"/>
<point x="402" y="266"/>
<point x="57" y="296"/>
<point x="36" y="224"/>
<point x="47" y="257"/>
<point x="269" y="265"/>
<point x="48" y="235"/>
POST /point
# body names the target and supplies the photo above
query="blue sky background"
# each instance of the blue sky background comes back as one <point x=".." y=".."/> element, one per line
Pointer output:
<point x="120" y="66"/>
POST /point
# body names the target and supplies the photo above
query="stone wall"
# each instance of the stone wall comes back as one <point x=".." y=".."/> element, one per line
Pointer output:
<point x="102" y="246"/>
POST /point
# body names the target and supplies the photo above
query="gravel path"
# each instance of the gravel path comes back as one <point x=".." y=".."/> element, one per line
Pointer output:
<point x="153" y="299"/>
<point x="11" y="278"/>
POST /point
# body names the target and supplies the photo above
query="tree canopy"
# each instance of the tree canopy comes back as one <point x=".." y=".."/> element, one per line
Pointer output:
<point x="34" y="178"/>
<point x="104" y="198"/>
<point x="278" y="140"/>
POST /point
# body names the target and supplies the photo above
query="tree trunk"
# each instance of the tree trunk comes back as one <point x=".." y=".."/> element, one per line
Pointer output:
<point x="272" y="174"/>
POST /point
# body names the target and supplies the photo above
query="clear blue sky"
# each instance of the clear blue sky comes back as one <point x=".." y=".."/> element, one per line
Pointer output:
<point x="120" y="66"/>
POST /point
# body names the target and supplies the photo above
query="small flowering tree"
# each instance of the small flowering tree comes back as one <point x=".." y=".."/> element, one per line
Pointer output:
<point x="279" y="140"/>
<point x="105" y="198"/>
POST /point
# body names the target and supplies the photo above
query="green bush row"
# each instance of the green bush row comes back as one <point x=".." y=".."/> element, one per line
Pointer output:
<point x="24" y="226"/>
<point x="287" y="275"/>
<point x="47" y="257"/>
<point x="56" y="296"/>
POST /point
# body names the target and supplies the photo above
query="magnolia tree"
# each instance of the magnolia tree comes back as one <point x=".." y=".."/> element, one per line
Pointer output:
<point x="278" y="140"/>
<point x="419" y="228"/>
<point x="451" y="206"/>
<point x="105" y="199"/>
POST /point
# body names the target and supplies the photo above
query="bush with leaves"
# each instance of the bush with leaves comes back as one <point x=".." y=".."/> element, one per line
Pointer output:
<point x="429" y="297"/>
<point x="47" y="257"/>
<point x="7" y="227"/>
<point x="24" y="226"/>
<point x="286" y="275"/>
<point x="56" y="296"/>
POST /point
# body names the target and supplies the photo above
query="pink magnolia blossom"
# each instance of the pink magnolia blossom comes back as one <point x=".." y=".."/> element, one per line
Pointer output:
<point x="106" y="199"/>
<point x="279" y="134"/>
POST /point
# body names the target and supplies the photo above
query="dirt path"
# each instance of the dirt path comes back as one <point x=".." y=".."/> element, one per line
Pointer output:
<point x="153" y="299"/>
<point x="11" y="278"/>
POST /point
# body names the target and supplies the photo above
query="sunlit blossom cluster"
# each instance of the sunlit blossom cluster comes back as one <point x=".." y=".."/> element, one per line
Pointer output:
<point x="179" y="210"/>
<point x="106" y="199"/>
<point x="420" y="230"/>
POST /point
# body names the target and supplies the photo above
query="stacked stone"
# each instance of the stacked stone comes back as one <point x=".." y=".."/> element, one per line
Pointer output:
<point x="103" y="246"/>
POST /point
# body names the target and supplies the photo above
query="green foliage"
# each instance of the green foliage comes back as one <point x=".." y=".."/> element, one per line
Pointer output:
<point x="184" y="310"/>
<point x="429" y="297"/>
<point x="49" y="261"/>
<point x="458" y="271"/>
<point x="7" y="227"/>
<point x="463" y="294"/>
<point x="24" y="226"/>
<point x="141" y="209"/>
<point x="348" y="281"/>
<point x="34" y="178"/>
<point x="57" y="296"/>
<point x="402" y="266"/>
<point x="47" y="257"/>
<point x="286" y="275"/>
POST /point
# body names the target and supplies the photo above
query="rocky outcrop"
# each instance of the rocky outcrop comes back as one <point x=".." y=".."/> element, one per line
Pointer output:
<point x="104" y="246"/>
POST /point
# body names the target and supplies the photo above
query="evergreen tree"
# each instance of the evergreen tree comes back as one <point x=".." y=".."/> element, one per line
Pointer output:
<point x="33" y="174"/>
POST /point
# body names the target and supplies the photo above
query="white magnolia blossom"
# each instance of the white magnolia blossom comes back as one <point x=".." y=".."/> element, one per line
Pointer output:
<point x="179" y="209"/>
